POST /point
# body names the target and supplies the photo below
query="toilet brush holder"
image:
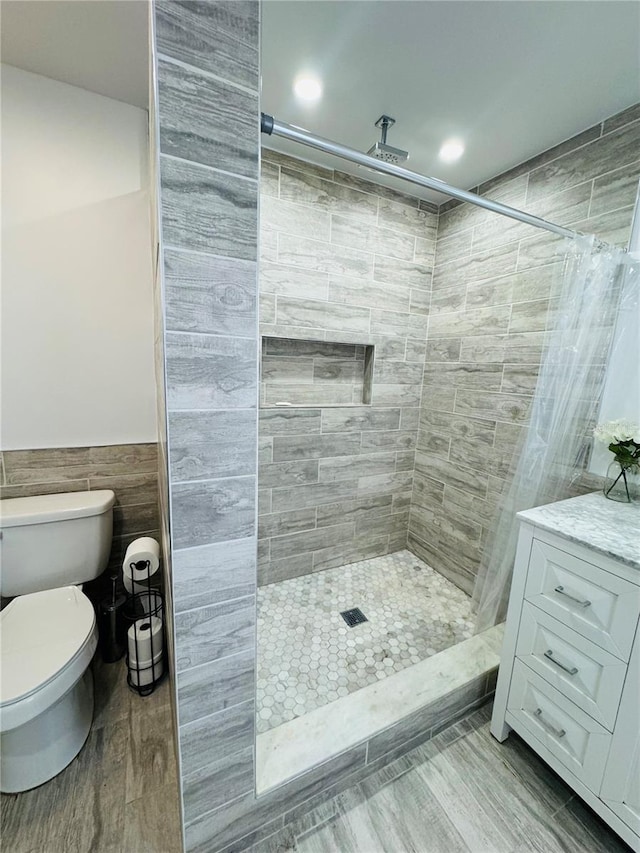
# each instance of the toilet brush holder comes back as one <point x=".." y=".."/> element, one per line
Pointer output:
<point x="112" y="627"/>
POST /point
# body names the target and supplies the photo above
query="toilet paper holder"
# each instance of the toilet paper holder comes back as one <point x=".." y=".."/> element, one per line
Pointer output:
<point x="144" y="614"/>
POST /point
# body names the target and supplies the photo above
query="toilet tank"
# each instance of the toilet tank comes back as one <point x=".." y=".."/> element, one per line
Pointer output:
<point x="49" y="541"/>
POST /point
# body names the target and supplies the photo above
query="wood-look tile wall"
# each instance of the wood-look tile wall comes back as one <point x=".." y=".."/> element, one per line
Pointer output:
<point x="207" y="133"/>
<point x="342" y="261"/>
<point x="493" y="299"/>
<point x="130" y="470"/>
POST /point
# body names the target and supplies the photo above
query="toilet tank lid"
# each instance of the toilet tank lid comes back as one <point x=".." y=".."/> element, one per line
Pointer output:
<point x="39" y="509"/>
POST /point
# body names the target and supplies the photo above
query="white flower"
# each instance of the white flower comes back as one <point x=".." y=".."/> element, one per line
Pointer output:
<point x="613" y="432"/>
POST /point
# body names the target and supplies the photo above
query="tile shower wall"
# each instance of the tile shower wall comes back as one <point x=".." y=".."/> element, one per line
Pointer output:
<point x="493" y="299"/>
<point x="129" y="469"/>
<point x="342" y="262"/>
<point x="207" y="133"/>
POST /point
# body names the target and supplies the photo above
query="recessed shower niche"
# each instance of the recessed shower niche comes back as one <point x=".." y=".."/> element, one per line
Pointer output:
<point x="302" y="373"/>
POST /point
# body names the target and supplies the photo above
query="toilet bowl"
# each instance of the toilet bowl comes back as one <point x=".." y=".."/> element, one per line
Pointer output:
<point x="50" y="544"/>
<point x="46" y="690"/>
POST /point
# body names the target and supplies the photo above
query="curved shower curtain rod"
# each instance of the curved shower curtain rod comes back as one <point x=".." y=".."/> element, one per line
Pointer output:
<point x="270" y="126"/>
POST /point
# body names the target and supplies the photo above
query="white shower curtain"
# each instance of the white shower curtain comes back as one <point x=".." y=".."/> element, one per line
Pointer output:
<point x="597" y="281"/>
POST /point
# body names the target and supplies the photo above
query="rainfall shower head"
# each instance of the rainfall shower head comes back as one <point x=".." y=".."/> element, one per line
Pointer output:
<point x="385" y="152"/>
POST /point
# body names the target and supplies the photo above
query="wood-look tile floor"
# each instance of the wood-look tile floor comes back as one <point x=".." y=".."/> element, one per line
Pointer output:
<point x="119" y="795"/>
<point x="461" y="792"/>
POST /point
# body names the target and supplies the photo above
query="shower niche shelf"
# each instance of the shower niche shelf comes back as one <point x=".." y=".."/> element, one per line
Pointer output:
<point x="307" y="373"/>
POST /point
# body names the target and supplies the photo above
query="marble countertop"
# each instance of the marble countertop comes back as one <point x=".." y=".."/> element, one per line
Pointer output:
<point x="606" y="526"/>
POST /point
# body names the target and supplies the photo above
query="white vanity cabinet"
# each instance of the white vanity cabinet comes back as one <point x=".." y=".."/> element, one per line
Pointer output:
<point x="569" y="678"/>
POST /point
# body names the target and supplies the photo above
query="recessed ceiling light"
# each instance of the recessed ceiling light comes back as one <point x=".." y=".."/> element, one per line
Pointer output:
<point x="451" y="150"/>
<point x="307" y="88"/>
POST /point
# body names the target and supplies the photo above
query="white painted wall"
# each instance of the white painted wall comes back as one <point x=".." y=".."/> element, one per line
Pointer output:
<point x="77" y="309"/>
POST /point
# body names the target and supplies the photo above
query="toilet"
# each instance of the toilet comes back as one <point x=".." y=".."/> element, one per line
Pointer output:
<point x="50" y="545"/>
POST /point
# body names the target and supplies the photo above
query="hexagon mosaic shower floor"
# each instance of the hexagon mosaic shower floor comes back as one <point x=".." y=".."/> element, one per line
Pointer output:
<point x="308" y="657"/>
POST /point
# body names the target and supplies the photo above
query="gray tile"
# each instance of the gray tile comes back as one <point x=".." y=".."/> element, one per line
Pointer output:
<point x="300" y="220"/>
<point x="192" y="194"/>
<point x="213" y="632"/>
<point x="381" y="241"/>
<point x="281" y="523"/>
<point x="359" y="419"/>
<point x="347" y="468"/>
<point x="315" y="494"/>
<point x="269" y="178"/>
<point x="350" y="551"/>
<point x="290" y="473"/>
<point x="30" y="489"/>
<point x="210" y="372"/>
<point x="212" y="511"/>
<point x="286" y="421"/>
<point x="267" y="309"/>
<point x="398" y="372"/>
<point x="464" y="375"/>
<point x="406" y="217"/>
<point x="492" y="320"/>
<point x="302" y="186"/>
<point x="612" y="151"/>
<point x="397" y="395"/>
<point x="384" y="483"/>
<point x="207" y="445"/>
<point x="316" y="314"/>
<point x="306" y="394"/>
<point x="512" y="408"/>
<point x="220" y="38"/>
<point x="443" y="349"/>
<point x="149" y="746"/>
<point x="393" y="271"/>
<point x="454" y="246"/>
<point x="632" y="113"/>
<point x="397" y="323"/>
<point x="347" y="511"/>
<point x="444" y="471"/>
<point x="311" y="540"/>
<point x="369" y="294"/>
<point x="292" y="281"/>
<point x="488" y="264"/>
<point x="207" y="120"/>
<point x="315" y="446"/>
<point x="448" y="299"/>
<point x="213" y="573"/>
<point x="216" y="737"/>
<point x="285" y="369"/>
<point x="389" y="440"/>
<point x="275" y="571"/>
<point x="424" y="719"/>
<point x="148" y="828"/>
<point x="212" y="687"/>
<point x="60" y="464"/>
<point x="616" y="189"/>
<point x="215" y="784"/>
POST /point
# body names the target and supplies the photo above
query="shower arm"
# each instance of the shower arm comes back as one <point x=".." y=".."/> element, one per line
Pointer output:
<point x="270" y="126"/>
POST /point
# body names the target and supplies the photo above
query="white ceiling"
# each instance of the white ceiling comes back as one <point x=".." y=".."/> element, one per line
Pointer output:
<point x="510" y="78"/>
<point x="99" y="45"/>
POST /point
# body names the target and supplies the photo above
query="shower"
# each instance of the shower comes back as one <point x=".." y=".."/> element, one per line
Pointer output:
<point x="381" y="150"/>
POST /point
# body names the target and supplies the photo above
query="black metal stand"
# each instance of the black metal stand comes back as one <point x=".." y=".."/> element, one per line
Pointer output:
<point x="145" y="605"/>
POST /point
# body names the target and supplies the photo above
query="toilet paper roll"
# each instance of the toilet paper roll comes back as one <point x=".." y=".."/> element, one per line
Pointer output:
<point x="145" y="641"/>
<point x="132" y="587"/>
<point x="144" y="674"/>
<point x="142" y="559"/>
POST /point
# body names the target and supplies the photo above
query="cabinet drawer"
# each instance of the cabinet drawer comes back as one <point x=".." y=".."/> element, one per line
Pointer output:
<point x="574" y="737"/>
<point x="580" y="670"/>
<point x="597" y="604"/>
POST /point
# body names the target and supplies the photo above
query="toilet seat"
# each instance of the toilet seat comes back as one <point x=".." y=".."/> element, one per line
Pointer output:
<point x="47" y="641"/>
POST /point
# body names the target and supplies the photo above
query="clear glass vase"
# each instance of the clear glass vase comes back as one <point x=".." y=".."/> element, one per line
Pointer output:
<point x="622" y="483"/>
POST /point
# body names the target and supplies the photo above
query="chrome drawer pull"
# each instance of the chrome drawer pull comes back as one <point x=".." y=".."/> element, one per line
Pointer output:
<point x="548" y="726"/>
<point x="572" y="670"/>
<point x="560" y="589"/>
